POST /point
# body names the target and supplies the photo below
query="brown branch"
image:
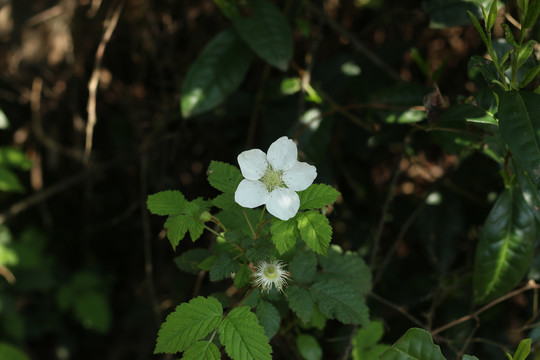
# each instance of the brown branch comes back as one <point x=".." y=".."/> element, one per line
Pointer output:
<point x="110" y="25"/>
<point x="530" y="285"/>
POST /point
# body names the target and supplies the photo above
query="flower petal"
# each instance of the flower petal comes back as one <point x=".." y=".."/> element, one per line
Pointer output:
<point x="253" y="164"/>
<point x="299" y="176"/>
<point x="251" y="194"/>
<point x="283" y="203"/>
<point x="282" y="154"/>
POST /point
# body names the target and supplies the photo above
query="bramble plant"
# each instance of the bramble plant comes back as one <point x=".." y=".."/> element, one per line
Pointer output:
<point x="270" y="223"/>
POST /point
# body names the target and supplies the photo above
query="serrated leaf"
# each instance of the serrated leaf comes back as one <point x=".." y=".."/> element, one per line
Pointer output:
<point x="519" y="121"/>
<point x="308" y="347"/>
<point x="267" y="33"/>
<point x="315" y="230"/>
<point x="225" y="202"/>
<point x="216" y="73"/>
<point x="303" y="266"/>
<point x="189" y="260"/>
<point x="506" y="247"/>
<point x="170" y="202"/>
<point x="187" y="324"/>
<point x="202" y="350"/>
<point x="415" y="344"/>
<point x="300" y="302"/>
<point x="193" y="211"/>
<point x="338" y="300"/>
<point x="222" y="268"/>
<point x="269" y="318"/>
<point x="224" y="177"/>
<point x="469" y="357"/>
<point x="317" y="196"/>
<point x="243" y="336"/>
<point x="242" y="276"/>
<point x="348" y="267"/>
<point x="177" y="227"/>
<point x="284" y="234"/>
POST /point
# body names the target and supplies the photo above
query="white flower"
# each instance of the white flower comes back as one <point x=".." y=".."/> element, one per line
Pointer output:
<point x="272" y="179"/>
<point x="271" y="273"/>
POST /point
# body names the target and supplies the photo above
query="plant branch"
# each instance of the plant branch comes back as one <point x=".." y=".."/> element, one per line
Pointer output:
<point x="530" y="285"/>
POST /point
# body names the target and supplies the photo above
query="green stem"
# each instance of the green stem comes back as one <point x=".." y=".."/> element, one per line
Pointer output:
<point x="259" y="227"/>
<point x="250" y="226"/>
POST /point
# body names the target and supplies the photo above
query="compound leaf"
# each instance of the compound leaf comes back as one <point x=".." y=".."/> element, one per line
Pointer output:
<point x="317" y="196"/>
<point x="188" y="323"/>
<point x="224" y="177"/>
<point x="202" y="350"/>
<point x="284" y="234"/>
<point x="315" y="230"/>
<point x="243" y="336"/>
<point x="269" y="318"/>
<point x="170" y="202"/>
<point x="300" y="302"/>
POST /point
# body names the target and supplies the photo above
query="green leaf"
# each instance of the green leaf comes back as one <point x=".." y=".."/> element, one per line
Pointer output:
<point x="224" y="177"/>
<point x="486" y="68"/>
<point x="469" y="357"/>
<point x="338" y="300"/>
<point x="269" y="318"/>
<point x="416" y="344"/>
<point x="9" y="181"/>
<point x="170" y="202"/>
<point x="308" y="347"/>
<point x="449" y="13"/>
<point x="470" y="113"/>
<point x="529" y="76"/>
<point x="228" y="8"/>
<point x="243" y="336"/>
<point x="267" y="33"/>
<point x="188" y="323"/>
<point x="242" y="276"/>
<point x="348" y="267"/>
<point x="284" y="234"/>
<point x="523" y="350"/>
<point x="216" y="73"/>
<point x="509" y="36"/>
<point x="303" y="267"/>
<point x="177" y="227"/>
<point x="300" y="302"/>
<point x="524" y="52"/>
<point x="519" y="121"/>
<point x="93" y="311"/>
<point x="222" y="268"/>
<point x="479" y="29"/>
<point x="8" y="351"/>
<point x="193" y="211"/>
<point x="492" y="16"/>
<point x="506" y="247"/>
<point x="528" y="189"/>
<point x="533" y="11"/>
<point x="315" y="230"/>
<point x="14" y="158"/>
<point x="365" y="342"/>
<point x="202" y="350"/>
<point x="317" y="196"/>
<point x="189" y="260"/>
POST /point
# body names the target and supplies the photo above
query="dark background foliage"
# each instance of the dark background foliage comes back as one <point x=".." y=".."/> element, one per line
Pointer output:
<point x="88" y="215"/>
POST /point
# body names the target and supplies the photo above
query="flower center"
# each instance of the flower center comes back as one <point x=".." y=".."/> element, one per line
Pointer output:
<point x="272" y="179"/>
<point x="271" y="272"/>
